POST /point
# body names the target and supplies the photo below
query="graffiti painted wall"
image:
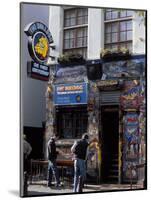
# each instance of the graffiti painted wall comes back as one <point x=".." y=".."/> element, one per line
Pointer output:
<point x="133" y="106"/>
<point x="142" y="128"/>
<point x="93" y="164"/>
<point x="130" y="96"/>
<point x="93" y="110"/>
<point x="128" y="68"/>
<point x="131" y="144"/>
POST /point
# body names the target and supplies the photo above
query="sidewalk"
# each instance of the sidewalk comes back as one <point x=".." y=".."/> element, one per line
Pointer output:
<point x="42" y="189"/>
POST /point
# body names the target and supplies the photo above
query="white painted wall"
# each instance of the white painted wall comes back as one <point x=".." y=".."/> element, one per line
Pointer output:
<point x="138" y="34"/>
<point x="32" y="90"/>
<point x="95" y="32"/>
<point x="56" y="28"/>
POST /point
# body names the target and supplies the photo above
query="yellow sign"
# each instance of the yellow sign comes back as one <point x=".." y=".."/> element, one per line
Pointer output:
<point x="42" y="47"/>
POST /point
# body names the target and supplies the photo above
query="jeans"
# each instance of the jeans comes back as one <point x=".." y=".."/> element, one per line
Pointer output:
<point x="79" y="172"/>
<point x="53" y="170"/>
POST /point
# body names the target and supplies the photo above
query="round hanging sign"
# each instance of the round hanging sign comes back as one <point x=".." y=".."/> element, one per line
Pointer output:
<point x="39" y="39"/>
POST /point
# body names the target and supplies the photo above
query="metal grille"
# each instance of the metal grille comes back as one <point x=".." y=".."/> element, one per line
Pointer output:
<point x="110" y="97"/>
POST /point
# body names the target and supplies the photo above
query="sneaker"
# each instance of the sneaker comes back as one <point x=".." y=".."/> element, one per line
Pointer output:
<point x="59" y="185"/>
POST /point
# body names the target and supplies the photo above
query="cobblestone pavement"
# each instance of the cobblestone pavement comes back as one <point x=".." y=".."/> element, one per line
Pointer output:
<point x="42" y="189"/>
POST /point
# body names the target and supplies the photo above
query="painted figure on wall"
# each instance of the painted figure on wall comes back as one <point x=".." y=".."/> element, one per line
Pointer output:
<point x="127" y="68"/>
<point x="94" y="157"/>
<point x="130" y="96"/>
<point x="131" y="147"/>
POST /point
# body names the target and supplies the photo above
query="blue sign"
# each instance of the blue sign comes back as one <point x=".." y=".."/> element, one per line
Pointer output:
<point x="38" y="71"/>
<point x="70" y="94"/>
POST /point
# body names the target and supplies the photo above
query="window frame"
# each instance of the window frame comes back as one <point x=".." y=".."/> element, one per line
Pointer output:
<point x="73" y="121"/>
<point x="118" y="20"/>
<point x="75" y="11"/>
<point x="75" y="38"/>
<point x="119" y="12"/>
<point x="82" y="46"/>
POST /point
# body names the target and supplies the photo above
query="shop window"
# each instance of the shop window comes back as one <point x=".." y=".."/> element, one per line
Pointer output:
<point x="71" y="122"/>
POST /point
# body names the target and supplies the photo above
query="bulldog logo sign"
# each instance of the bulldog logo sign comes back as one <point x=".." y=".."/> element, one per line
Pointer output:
<point x="39" y="38"/>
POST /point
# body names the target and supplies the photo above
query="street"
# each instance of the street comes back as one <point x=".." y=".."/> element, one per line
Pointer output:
<point x="42" y="189"/>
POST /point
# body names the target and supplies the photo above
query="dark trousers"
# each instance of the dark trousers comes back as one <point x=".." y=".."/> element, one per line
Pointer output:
<point x="26" y="170"/>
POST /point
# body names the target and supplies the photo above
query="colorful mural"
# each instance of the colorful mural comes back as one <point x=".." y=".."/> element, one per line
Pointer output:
<point x="93" y="110"/>
<point x="71" y="74"/>
<point x="94" y="157"/>
<point x="133" y="104"/>
<point x="131" y="119"/>
<point x="142" y="131"/>
<point x="130" y="170"/>
<point x="131" y="144"/>
<point x="127" y="68"/>
<point x="130" y="95"/>
<point x="142" y="95"/>
<point x="142" y="124"/>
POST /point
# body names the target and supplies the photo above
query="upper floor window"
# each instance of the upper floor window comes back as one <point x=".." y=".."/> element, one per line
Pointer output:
<point x="75" y="17"/>
<point x="75" y="31"/>
<point x="74" y="38"/>
<point x="118" y="29"/>
<point x="112" y="14"/>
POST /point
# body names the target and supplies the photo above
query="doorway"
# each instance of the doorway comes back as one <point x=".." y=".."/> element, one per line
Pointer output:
<point x="35" y="136"/>
<point x="110" y="142"/>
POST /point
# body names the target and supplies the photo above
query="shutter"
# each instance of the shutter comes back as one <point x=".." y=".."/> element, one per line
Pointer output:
<point x="109" y="97"/>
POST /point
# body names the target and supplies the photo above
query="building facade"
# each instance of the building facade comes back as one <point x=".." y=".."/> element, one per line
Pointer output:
<point x="33" y="107"/>
<point x="98" y="86"/>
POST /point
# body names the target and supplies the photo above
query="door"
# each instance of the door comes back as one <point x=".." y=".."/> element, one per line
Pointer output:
<point x="110" y="143"/>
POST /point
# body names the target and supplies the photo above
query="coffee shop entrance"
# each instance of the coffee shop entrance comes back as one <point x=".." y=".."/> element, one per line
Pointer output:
<point x="110" y="140"/>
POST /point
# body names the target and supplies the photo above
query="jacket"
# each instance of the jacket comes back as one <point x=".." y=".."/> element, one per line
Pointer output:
<point x="52" y="153"/>
<point x="80" y="149"/>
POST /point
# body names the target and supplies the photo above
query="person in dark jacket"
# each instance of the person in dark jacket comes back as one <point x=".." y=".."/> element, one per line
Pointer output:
<point x="52" y="166"/>
<point x="79" y="149"/>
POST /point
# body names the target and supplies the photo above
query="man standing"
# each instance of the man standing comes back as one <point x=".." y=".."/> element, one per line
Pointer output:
<point x="79" y="149"/>
<point x="52" y="166"/>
